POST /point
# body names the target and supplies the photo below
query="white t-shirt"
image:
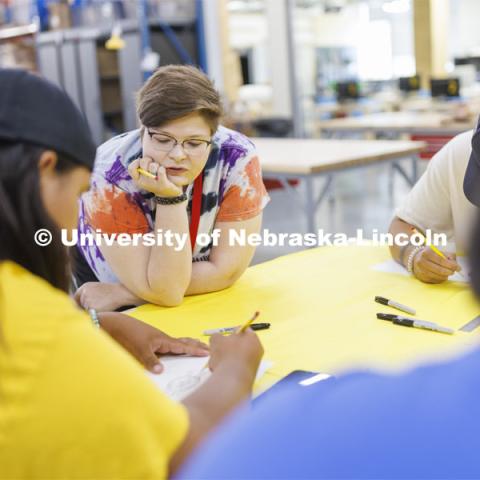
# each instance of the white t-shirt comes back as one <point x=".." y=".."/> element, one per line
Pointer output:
<point x="437" y="200"/>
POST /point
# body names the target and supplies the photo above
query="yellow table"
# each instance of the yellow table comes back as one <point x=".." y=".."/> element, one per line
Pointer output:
<point x="320" y="303"/>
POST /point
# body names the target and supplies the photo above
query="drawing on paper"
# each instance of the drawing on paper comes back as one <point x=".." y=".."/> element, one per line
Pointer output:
<point x="178" y="388"/>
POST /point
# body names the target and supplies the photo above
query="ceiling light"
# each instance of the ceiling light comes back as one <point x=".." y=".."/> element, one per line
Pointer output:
<point x="397" y="6"/>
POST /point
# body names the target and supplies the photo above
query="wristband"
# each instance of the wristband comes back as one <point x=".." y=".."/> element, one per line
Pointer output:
<point x="171" y="200"/>
<point x="411" y="258"/>
<point x="94" y="316"/>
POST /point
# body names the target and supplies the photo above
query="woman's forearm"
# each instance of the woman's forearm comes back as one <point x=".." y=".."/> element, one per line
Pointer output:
<point x="400" y="253"/>
<point x="126" y="297"/>
<point x="208" y="277"/>
<point x="169" y="268"/>
<point x="206" y="408"/>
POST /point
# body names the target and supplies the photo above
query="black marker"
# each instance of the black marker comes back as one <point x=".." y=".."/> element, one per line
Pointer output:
<point x="253" y="326"/>
<point x="394" y="304"/>
<point x="413" y="322"/>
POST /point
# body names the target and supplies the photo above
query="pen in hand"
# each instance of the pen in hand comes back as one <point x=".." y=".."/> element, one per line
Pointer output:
<point x="248" y="323"/>
<point x="240" y="330"/>
<point x="143" y="172"/>
<point x="438" y="252"/>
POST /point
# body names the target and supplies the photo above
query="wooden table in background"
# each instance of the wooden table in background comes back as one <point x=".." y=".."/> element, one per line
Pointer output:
<point x="424" y="123"/>
<point x="306" y="159"/>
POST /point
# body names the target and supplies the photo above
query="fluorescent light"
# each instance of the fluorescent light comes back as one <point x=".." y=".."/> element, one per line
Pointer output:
<point x="397" y="6"/>
<point x="245" y="6"/>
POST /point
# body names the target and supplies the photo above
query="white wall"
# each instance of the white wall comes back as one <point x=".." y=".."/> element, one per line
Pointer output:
<point x="340" y="29"/>
<point x="250" y="31"/>
<point x="464" y="28"/>
<point x="403" y="47"/>
<point x="247" y="29"/>
<point x="372" y="36"/>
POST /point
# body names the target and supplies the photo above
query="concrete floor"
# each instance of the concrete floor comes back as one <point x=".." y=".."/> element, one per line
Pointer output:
<point x="362" y="200"/>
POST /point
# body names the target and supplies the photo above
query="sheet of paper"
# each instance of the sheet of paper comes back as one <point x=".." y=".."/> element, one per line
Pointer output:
<point x="391" y="266"/>
<point x="183" y="375"/>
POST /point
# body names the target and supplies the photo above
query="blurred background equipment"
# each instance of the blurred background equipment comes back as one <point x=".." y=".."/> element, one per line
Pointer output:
<point x="445" y="87"/>
<point x="347" y="91"/>
<point x="409" y="84"/>
<point x="101" y="51"/>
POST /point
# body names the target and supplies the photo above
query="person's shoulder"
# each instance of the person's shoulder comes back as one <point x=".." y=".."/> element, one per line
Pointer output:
<point x="121" y="145"/>
<point x="454" y="154"/>
<point x="460" y="146"/>
<point x="462" y="141"/>
<point x="16" y="281"/>
<point x="227" y="139"/>
<point x="233" y="150"/>
<point x="121" y="140"/>
<point x="34" y="312"/>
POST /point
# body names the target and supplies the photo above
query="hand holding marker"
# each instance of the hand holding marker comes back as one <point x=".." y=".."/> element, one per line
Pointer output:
<point x="436" y="250"/>
<point x="240" y="330"/>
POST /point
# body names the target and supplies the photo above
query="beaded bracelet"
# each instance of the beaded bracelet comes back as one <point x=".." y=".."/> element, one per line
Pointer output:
<point x="411" y="258"/>
<point x="93" y="315"/>
<point x="171" y="200"/>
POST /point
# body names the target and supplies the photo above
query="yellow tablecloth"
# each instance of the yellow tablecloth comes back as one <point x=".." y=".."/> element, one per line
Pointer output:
<point x="320" y="303"/>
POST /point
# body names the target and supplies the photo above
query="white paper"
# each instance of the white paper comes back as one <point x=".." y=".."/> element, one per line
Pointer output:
<point x="182" y="375"/>
<point x="391" y="266"/>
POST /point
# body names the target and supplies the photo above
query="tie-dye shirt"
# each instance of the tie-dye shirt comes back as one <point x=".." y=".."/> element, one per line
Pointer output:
<point x="233" y="191"/>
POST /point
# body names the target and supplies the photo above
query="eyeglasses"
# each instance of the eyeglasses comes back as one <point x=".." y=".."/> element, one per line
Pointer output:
<point x="191" y="146"/>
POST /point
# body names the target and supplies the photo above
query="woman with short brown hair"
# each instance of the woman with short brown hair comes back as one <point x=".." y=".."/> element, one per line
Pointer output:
<point x="199" y="177"/>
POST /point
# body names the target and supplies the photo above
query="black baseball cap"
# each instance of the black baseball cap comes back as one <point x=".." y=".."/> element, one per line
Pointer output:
<point x="471" y="182"/>
<point x="34" y="110"/>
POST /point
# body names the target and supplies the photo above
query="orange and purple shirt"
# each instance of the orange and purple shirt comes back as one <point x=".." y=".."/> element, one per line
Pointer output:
<point x="233" y="191"/>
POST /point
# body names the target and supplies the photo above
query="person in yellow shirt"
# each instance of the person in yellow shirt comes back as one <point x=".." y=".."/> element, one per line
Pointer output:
<point x="73" y="403"/>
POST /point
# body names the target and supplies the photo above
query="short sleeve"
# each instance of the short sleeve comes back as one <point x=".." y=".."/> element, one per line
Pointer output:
<point x="102" y="416"/>
<point x="246" y="195"/>
<point x="428" y="205"/>
<point x="112" y="210"/>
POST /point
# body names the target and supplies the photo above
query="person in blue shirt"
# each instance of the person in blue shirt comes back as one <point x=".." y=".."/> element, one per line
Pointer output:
<point x="420" y="424"/>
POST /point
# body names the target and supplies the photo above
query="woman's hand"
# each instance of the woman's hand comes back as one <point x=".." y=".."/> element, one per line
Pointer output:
<point x="431" y="268"/>
<point x="145" y="342"/>
<point x="161" y="186"/>
<point x="241" y="349"/>
<point x="105" y="297"/>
